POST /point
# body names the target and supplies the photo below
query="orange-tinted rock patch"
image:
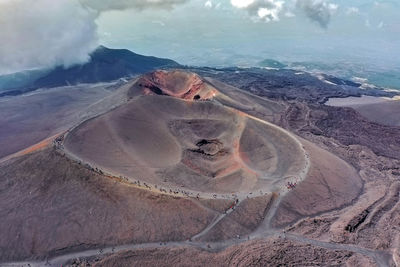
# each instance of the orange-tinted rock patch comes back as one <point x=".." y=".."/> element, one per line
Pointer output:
<point x="180" y="84"/>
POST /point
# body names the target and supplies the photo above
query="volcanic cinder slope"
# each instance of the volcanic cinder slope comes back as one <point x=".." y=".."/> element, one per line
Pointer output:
<point x="176" y="132"/>
<point x="28" y="119"/>
<point x="190" y="168"/>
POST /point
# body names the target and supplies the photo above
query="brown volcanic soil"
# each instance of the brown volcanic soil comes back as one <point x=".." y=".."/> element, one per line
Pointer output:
<point x="51" y="205"/>
<point x="331" y="183"/>
<point x="246" y="217"/>
<point x="198" y="144"/>
<point x="28" y="119"/>
<point x="180" y="84"/>
<point x="275" y="252"/>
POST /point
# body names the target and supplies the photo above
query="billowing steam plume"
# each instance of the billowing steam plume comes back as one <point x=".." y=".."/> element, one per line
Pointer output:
<point x="45" y="33"/>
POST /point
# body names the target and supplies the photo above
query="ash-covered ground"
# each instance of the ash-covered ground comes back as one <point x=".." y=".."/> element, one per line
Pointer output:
<point x="58" y="208"/>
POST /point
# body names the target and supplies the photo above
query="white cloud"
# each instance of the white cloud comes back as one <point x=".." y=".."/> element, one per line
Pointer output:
<point x="208" y="4"/>
<point x="319" y="11"/>
<point x="242" y="3"/>
<point x="44" y="33"/>
<point x="266" y="10"/>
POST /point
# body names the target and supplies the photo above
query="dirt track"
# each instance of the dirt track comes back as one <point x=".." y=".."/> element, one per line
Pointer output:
<point x="380" y="258"/>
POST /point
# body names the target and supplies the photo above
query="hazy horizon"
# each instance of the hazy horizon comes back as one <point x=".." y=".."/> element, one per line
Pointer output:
<point x="359" y="35"/>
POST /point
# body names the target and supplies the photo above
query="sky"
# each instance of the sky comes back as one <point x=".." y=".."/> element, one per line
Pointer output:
<point x="45" y="33"/>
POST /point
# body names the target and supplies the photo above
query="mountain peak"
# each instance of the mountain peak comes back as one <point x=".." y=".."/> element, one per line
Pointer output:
<point x="105" y="64"/>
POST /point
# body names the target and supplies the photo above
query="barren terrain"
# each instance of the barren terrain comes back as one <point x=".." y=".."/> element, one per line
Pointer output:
<point x="28" y="119"/>
<point x="185" y="170"/>
<point x="380" y="110"/>
<point x="200" y="145"/>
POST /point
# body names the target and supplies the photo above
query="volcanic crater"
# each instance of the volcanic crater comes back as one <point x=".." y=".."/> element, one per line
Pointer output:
<point x="179" y="131"/>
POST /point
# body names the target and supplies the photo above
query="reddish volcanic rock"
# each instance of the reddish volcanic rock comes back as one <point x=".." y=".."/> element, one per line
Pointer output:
<point x="178" y="84"/>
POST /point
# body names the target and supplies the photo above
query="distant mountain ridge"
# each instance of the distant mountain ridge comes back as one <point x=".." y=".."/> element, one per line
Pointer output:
<point x="105" y="65"/>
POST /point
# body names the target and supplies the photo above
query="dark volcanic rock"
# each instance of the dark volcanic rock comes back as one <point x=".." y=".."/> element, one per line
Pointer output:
<point x="350" y="128"/>
<point x="105" y="65"/>
<point x="209" y="147"/>
<point x="288" y="84"/>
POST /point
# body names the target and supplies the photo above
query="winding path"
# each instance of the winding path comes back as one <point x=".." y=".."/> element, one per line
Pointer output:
<point x="380" y="257"/>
